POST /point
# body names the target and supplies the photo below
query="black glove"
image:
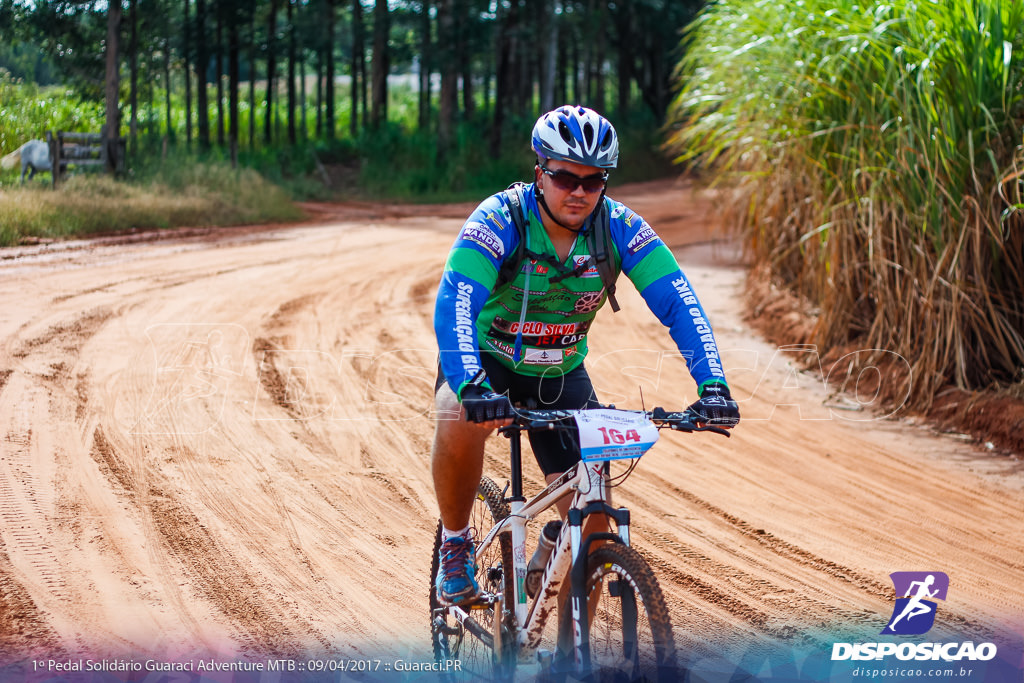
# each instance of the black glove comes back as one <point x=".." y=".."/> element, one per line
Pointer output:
<point x="483" y="404"/>
<point x="716" y="407"/>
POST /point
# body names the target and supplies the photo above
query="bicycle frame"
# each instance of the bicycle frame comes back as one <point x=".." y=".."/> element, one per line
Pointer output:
<point x="587" y="482"/>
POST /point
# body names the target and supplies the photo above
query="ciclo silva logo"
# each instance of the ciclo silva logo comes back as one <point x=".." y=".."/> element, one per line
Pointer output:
<point x="913" y="614"/>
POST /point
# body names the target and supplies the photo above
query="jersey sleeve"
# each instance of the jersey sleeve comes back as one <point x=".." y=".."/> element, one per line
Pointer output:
<point x="470" y="273"/>
<point x="654" y="271"/>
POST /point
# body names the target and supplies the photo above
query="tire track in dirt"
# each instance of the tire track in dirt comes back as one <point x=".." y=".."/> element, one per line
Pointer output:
<point x="23" y="630"/>
<point x="758" y="586"/>
<point x="273" y="606"/>
<point x="43" y="375"/>
<point x="215" y="575"/>
<point x="785" y="549"/>
<point x="273" y="343"/>
<point x="65" y="338"/>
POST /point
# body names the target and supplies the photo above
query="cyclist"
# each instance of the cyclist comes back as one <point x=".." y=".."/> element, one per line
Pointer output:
<point x="525" y="339"/>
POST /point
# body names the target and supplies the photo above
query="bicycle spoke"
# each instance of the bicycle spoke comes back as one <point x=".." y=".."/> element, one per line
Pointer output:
<point x="630" y="634"/>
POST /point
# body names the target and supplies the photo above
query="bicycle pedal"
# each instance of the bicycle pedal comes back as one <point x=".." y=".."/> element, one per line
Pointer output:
<point x="482" y="601"/>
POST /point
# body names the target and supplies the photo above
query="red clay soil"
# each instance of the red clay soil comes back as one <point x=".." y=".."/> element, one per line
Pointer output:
<point x="992" y="419"/>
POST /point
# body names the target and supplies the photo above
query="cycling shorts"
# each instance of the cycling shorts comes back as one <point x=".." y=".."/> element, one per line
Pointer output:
<point x="554" y="450"/>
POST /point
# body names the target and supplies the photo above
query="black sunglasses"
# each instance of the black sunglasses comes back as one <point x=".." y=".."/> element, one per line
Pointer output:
<point x="568" y="182"/>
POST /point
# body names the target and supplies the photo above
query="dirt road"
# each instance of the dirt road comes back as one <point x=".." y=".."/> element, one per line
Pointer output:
<point x="216" y="444"/>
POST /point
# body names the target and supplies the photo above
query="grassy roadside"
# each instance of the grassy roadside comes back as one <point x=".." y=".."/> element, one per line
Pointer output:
<point x="90" y="204"/>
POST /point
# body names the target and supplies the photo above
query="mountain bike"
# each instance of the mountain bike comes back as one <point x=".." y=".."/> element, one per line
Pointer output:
<point x="614" y="623"/>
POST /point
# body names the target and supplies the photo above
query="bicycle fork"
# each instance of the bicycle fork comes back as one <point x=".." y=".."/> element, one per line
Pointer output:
<point x="578" y="575"/>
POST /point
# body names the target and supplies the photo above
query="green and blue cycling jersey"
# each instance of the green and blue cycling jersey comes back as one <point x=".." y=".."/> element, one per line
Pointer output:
<point x="472" y="315"/>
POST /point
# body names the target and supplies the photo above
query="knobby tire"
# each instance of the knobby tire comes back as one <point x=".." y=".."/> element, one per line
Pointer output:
<point x="630" y="631"/>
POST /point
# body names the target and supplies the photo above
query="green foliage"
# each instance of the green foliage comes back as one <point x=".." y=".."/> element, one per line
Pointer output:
<point x="405" y="165"/>
<point x="27" y="62"/>
<point x="873" y="151"/>
<point x="27" y="111"/>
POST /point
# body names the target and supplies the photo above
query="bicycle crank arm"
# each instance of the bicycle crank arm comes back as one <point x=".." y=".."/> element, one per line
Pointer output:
<point x="472" y="625"/>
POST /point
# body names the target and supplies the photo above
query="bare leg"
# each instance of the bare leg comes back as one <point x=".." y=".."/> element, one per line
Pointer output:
<point x="457" y="459"/>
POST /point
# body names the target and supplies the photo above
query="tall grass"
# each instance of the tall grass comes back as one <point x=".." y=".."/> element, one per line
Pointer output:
<point x="875" y="151"/>
<point x="198" y="195"/>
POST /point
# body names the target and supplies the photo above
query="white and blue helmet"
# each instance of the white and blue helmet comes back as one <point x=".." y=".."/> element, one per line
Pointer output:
<point x="576" y="134"/>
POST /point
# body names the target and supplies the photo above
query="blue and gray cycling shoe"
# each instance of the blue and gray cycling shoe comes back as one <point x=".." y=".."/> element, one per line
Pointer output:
<point x="455" y="581"/>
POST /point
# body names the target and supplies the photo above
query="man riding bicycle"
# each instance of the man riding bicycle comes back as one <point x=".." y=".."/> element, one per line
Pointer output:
<point x="521" y="287"/>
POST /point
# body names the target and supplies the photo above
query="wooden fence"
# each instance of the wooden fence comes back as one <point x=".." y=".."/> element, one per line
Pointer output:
<point x="84" y="149"/>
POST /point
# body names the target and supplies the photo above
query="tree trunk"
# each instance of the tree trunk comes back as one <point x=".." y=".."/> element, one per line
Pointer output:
<point x="302" y="94"/>
<point x="504" y="64"/>
<point x="319" y="93"/>
<point x="465" y="57"/>
<point x="356" y="67"/>
<point x="486" y="85"/>
<point x="625" y="67"/>
<point x="588" y="56"/>
<point x="449" y="78"/>
<point x="220" y="74"/>
<point x="599" y="39"/>
<point x="574" y="73"/>
<point x="291" y="74"/>
<point x="233" y="49"/>
<point x="562" y="89"/>
<point x="548" y="65"/>
<point x="167" y="88"/>
<point x="381" y="64"/>
<point x="133" y="70"/>
<point x="187" y="49"/>
<point x="329" y="72"/>
<point x="113" y="83"/>
<point x="425" y="66"/>
<point x="202" y="62"/>
<point x="252" y="76"/>
<point x="271" y="71"/>
<point x="364" y="87"/>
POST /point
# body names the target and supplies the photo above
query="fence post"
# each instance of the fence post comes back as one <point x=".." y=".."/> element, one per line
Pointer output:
<point x="105" y="146"/>
<point x="51" y="145"/>
<point x="58" y="158"/>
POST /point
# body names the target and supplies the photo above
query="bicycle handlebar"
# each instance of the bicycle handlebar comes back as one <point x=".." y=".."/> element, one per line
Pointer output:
<point x="683" y="421"/>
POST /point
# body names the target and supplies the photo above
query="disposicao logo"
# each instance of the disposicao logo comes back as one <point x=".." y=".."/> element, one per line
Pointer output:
<point x="914" y="614"/>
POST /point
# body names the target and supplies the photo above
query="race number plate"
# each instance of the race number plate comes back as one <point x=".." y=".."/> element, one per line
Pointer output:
<point x="614" y="434"/>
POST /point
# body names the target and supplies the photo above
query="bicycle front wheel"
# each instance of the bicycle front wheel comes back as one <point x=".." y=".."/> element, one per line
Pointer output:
<point x="630" y="631"/>
<point x="468" y="653"/>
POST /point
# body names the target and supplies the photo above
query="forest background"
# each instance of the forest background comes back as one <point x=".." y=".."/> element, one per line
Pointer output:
<point x="399" y="99"/>
<point x="868" y="154"/>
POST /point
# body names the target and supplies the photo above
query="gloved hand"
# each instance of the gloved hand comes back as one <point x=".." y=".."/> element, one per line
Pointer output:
<point x="484" y="405"/>
<point x="716" y="407"/>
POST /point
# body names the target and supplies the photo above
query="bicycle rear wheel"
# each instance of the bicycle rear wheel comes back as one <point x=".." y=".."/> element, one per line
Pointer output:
<point x="470" y="651"/>
<point x="630" y="631"/>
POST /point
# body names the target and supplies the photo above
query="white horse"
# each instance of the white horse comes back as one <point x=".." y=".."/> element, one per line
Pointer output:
<point x="34" y="156"/>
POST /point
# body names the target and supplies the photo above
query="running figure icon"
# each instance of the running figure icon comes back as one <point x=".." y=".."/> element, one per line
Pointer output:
<point x="916" y="605"/>
<point x="914" y="613"/>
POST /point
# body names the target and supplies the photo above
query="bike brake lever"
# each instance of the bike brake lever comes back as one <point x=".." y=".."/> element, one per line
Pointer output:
<point x="684" y="422"/>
